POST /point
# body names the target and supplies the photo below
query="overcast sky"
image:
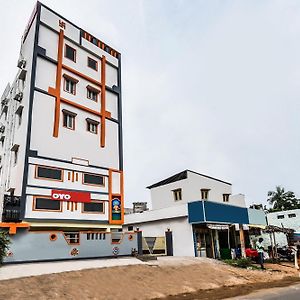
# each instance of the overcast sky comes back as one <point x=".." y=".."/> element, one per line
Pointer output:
<point x="212" y="86"/>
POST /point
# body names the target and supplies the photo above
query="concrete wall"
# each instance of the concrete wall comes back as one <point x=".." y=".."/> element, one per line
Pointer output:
<point x="183" y="243"/>
<point x="162" y="196"/>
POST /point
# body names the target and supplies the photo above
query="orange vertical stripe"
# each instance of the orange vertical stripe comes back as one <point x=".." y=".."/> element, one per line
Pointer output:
<point x="72" y="176"/>
<point x="76" y="176"/>
<point x="103" y="83"/>
<point x="58" y="82"/>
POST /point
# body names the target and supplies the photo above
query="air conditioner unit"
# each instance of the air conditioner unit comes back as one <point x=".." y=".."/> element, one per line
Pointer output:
<point x="22" y="74"/>
<point x="4" y="101"/>
<point x="21" y="63"/>
<point x="19" y="96"/>
<point x="2" y="128"/>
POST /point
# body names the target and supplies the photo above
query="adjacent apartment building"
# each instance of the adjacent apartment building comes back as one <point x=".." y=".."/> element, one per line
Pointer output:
<point x="61" y="145"/>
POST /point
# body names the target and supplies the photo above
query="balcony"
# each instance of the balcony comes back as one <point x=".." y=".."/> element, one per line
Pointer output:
<point x="11" y="209"/>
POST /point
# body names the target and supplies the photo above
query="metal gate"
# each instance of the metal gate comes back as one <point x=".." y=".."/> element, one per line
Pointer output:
<point x="154" y="245"/>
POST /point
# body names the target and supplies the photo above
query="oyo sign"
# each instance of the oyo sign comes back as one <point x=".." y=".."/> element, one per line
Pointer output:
<point x="70" y="196"/>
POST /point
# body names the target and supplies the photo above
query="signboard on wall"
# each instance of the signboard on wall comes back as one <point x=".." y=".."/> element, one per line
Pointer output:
<point x="116" y="208"/>
<point x="62" y="195"/>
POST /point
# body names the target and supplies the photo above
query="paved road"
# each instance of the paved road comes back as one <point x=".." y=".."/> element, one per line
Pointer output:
<point x="286" y="293"/>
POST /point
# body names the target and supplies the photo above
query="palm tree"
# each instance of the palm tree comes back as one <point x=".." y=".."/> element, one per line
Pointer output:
<point x="282" y="200"/>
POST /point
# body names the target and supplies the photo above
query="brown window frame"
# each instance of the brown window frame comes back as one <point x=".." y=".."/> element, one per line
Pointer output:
<point x="91" y="122"/>
<point x="102" y="185"/>
<point x="226" y="197"/>
<point x="203" y="193"/>
<point x="177" y="192"/>
<point x="89" y="58"/>
<point x="75" y="53"/>
<point x="71" y="114"/>
<point x="48" y="167"/>
<point x="94" y="212"/>
<point x="45" y="210"/>
<point x="71" y="79"/>
<point x="91" y="89"/>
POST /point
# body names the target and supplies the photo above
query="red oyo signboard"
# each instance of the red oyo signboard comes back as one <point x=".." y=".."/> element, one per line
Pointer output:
<point x="70" y="196"/>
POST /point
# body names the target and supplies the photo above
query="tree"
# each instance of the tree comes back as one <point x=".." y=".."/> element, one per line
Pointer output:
<point x="282" y="200"/>
<point x="4" y="242"/>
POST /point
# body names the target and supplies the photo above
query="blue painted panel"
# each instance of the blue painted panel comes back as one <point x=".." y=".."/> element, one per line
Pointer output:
<point x="195" y="211"/>
<point x="217" y="212"/>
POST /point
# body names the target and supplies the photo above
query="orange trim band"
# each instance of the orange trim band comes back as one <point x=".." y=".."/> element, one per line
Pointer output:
<point x="56" y="92"/>
<point x="13" y="226"/>
<point x="103" y="92"/>
<point x="106" y="114"/>
<point x="87" y="78"/>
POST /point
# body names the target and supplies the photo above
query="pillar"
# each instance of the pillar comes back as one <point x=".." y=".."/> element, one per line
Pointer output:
<point x="242" y="239"/>
<point x="140" y="242"/>
<point x="169" y="242"/>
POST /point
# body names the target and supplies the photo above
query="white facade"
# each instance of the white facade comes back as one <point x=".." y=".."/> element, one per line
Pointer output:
<point x="155" y="223"/>
<point x="34" y="134"/>
<point x="170" y="212"/>
<point x="162" y="196"/>
<point x="287" y="219"/>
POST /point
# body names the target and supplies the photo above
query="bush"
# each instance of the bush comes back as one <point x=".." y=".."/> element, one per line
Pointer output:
<point x="240" y="263"/>
<point x="4" y="242"/>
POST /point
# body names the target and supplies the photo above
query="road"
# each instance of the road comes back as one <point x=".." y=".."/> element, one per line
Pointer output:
<point x="287" y="293"/>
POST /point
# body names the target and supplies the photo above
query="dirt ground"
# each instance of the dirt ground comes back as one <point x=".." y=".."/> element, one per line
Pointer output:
<point x="199" y="279"/>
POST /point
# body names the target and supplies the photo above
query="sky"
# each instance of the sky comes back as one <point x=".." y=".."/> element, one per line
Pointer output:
<point x="211" y="86"/>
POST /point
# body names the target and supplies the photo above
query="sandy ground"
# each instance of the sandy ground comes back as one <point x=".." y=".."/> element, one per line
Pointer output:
<point x="156" y="279"/>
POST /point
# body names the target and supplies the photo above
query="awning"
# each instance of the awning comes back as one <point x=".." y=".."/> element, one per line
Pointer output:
<point x="257" y="226"/>
<point x="218" y="226"/>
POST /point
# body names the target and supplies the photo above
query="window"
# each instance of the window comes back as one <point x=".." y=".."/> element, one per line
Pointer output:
<point x="69" y="119"/>
<point x="292" y="215"/>
<point x="280" y="217"/>
<point x="93" y="207"/>
<point x="42" y="172"/>
<point x="130" y="228"/>
<point x="95" y="236"/>
<point x="93" y="179"/>
<point x="70" y="84"/>
<point x="177" y="194"/>
<point x="204" y="194"/>
<point x="92" y="93"/>
<point x="92" y="125"/>
<point x="43" y="203"/>
<point x="92" y="64"/>
<point x="72" y="238"/>
<point x="70" y="53"/>
<point x="226" y="197"/>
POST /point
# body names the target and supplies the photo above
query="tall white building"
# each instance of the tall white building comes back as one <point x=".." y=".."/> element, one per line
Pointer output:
<point x="61" y="135"/>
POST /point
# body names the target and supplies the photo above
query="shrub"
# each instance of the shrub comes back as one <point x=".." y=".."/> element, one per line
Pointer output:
<point x="241" y="263"/>
<point x="4" y="242"/>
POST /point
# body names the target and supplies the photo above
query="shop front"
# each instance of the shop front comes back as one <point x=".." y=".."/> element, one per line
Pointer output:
<point x="219" y="229"/>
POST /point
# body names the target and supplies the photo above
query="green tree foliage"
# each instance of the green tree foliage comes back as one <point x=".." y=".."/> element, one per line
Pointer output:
<point x="282" y="200"/>
<point x="4" y="242"/>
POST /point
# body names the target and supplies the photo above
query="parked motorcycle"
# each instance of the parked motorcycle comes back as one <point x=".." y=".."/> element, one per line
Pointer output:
<point x="285" y="253"/>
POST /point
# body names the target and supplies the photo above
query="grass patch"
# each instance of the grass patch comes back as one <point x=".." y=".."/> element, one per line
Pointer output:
<point x="244" y="263"/>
